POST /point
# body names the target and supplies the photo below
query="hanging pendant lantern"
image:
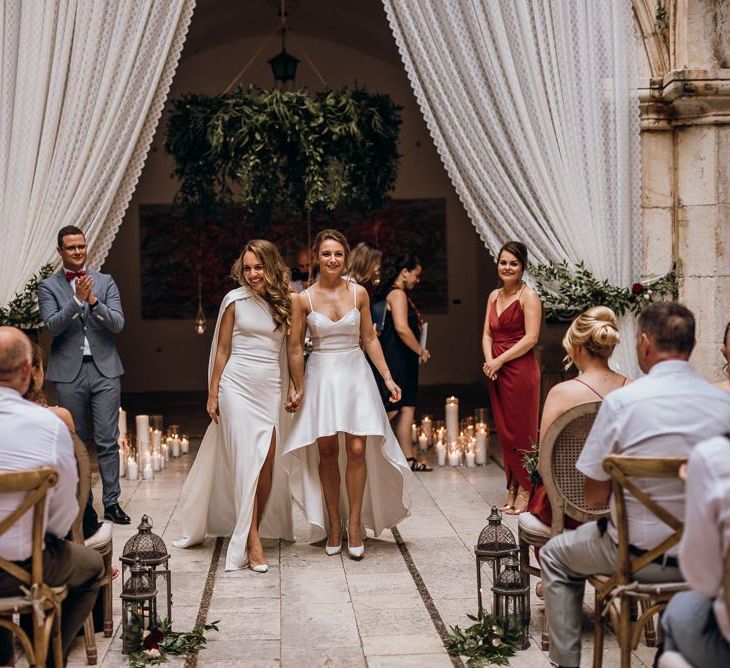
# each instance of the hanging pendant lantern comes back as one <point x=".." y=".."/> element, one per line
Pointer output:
<point x="283" y="65"/>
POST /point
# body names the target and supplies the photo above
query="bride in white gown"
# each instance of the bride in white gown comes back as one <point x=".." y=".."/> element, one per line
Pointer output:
<point x="236" y="486"/>
<point x="341" y="431"/>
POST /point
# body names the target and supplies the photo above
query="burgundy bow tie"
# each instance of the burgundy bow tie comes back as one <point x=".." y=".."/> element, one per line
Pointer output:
<point x="70" y="275"/>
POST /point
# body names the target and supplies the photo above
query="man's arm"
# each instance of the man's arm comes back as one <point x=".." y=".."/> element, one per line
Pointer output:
<point x="55" y="318"/>
<point x="596" y="492"/>
<point x="109" y="312"/>
<point x="62" y="504"/>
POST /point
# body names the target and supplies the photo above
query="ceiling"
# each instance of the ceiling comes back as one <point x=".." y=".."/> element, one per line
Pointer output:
<point x="357" y="24"/>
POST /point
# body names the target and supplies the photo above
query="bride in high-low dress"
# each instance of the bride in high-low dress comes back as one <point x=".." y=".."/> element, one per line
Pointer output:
<point x="341" y="431"/>
<point x="236" y="486"/>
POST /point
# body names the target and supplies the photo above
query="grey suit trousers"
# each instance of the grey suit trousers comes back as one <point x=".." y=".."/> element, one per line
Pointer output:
<point x="90" y="389"/>
<point x="566" y="561"/>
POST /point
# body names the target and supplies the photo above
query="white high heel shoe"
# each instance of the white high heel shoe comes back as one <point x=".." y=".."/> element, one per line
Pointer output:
<point x="332" y="550"/>
<point x="356" y="553"/>
<point x="259" y="568"/>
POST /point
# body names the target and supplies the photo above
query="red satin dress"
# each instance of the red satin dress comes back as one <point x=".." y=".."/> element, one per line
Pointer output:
<point x="515" y="395"/>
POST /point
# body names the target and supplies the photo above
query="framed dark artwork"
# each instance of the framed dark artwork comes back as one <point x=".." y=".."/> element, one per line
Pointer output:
<point x="175" y="251"/>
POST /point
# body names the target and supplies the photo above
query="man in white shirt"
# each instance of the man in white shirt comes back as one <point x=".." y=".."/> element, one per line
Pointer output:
<point x="662" y="414"/>
<point x="31" y="437"/>
<point x="696" y="622"/>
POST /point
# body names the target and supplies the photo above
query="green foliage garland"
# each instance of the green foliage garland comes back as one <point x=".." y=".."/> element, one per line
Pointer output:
<point x="150" y="648"/>
<point x="566" y="292"/>
<point x="284" y="151"/>
<point x="22" y="310"/>
<point x="485" y="641"/>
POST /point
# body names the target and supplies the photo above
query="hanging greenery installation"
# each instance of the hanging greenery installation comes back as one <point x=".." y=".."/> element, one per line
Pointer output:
<point x="284" y="151"/>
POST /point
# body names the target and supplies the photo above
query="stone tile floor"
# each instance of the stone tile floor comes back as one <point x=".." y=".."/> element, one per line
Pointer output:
<point x="313" y="610"/>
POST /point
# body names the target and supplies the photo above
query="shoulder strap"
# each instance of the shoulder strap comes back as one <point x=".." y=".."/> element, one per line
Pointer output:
<point x="582" y="382"/>
<point x="354" y="294"/>
<point x="626" y="380"/>
<point x="306" y="292"/>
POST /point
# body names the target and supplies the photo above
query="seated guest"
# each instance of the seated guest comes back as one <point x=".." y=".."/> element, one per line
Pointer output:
<point x="589" y="343"/>
<point x="662" y="414"/>
<point x="696" y="622"/>
<point x="90" y="523"/>
<point x="32" y="437"/>
<point x="725" y="350"/>
<point x="300" y="278"/>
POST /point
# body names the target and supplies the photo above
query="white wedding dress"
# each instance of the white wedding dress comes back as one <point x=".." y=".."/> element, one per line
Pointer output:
<point x="341" y="396"/>
<point x="218" y="495"/>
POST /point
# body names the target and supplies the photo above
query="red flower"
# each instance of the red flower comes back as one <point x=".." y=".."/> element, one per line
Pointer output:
<point x="153" y="640"/>
<point x="637" y="288"/>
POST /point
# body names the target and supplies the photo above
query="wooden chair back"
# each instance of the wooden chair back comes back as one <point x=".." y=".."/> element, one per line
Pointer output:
<point x="36" y="484"/>
<point x="560" y="448"/>
<point x="726" y="581"/>
<point x="83" y="463"/>
<point x="623" y="471"/>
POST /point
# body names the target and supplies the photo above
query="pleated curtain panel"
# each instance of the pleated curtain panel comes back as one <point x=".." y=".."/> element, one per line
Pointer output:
<point x="82" y="86"/>
<point x="533" y="108"/>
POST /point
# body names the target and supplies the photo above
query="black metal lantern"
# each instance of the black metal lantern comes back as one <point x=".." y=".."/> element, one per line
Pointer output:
<point x="150" y="550"/>
<point x="139" y="603"/>
<point x="511" y="607"/>
<point x="284" y="65"/>
<point x="495" y="543"/>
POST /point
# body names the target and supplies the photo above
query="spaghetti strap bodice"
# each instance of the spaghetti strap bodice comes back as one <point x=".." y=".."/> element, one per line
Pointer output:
<point x="333" y="336"/>
<point x="596" y="392"/>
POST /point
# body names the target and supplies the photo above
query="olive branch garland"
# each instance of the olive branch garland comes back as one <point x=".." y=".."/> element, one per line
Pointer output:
<point x="567" y="291"/>
<point x="22" y="310"/>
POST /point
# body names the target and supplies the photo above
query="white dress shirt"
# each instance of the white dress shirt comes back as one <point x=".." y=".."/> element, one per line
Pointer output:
<point x="72" y="283"/>
<point x="31" y="436"/>
<point x="706" y="537"/>
<point x="663" y="414"/>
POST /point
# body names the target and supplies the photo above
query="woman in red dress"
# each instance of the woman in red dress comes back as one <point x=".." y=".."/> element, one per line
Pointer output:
<point x="511" y="330"/>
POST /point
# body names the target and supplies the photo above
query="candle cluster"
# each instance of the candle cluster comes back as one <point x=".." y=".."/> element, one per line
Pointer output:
<point x="456" y="442"/>
<point x="147" y="452"/>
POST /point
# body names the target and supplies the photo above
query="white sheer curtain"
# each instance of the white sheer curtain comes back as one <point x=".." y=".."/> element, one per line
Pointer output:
<point x="82" y="86"/>
<point x="534" y="112"/>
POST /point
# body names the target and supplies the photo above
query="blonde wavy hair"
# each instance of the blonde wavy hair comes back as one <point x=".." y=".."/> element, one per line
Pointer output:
<point x="329" y="235"/>
<point x="364" y="264"/>
<point x="277" y="275"/>
<point x="596" y="330"/>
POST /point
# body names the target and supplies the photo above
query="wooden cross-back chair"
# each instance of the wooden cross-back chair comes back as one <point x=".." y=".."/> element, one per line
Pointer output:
<point x="560" y="448"/>
<point x="41" y="601"/>
<point x="622" y="586"/>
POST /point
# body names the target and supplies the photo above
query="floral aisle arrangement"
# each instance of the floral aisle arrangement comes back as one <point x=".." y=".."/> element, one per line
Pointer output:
<point x="567" y="291"/>
<point x="150" y="648"/>
<point x="487" y="641"/>
<point x="22" y="310"/>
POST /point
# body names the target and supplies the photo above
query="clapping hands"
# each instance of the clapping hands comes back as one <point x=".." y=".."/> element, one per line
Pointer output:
<point x="85" y="289"/>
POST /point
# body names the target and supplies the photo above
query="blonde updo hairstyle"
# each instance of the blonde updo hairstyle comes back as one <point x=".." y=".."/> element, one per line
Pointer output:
<point x="329" y="235"/>
<point x="277" y="275"/>
<point x="596" y="330"/>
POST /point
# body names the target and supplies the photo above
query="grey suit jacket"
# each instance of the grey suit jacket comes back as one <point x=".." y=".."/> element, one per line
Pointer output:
<point x="68" y="323"/>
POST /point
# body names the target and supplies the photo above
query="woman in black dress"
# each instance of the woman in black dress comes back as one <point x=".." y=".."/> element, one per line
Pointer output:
<point x="399" y="323"/>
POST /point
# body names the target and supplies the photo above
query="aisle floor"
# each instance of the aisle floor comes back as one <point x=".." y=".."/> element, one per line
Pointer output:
<point x="314" y="610"/>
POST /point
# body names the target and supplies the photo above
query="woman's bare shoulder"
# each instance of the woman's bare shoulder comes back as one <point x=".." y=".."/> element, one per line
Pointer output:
<point x="65" y="417"/>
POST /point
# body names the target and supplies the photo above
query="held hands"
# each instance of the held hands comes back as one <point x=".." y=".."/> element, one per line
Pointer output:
<point x="395" y="393"/>
<point x="491" y="367"/>
<point x="212" y="408"/>
<point x="293" y="399"/>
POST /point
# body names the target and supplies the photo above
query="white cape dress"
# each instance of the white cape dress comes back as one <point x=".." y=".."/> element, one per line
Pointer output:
<point x="218" y="495"/>
<point x="341" y="396"/>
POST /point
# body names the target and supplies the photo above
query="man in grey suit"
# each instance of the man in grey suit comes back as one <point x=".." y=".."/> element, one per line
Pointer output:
<point x="83" y="313"/>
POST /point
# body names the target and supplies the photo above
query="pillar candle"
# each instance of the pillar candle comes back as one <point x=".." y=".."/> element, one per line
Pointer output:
<point x="452" y="419"/>
<point x="143" y="426"/>
<point x="156" y="439"/>
<point x="482" y="444"/>
<point x="122" y="463"/>
<point x="454" y="457"/>
<point x="427" y="426"/>
<point x="441" y="453"/>
<point x="165" y="451"/>
<point x="470" y="458"/>
<point x="132" y="470"/>
<point x="148" y="472"/>
<point x="156" y="466"/>
<point x="414" y="433"/>
<point x="184" y="446"/>
<point x="423" y="442"/>
<point x="175" y="447"/>
<point x="122" y="423"/>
